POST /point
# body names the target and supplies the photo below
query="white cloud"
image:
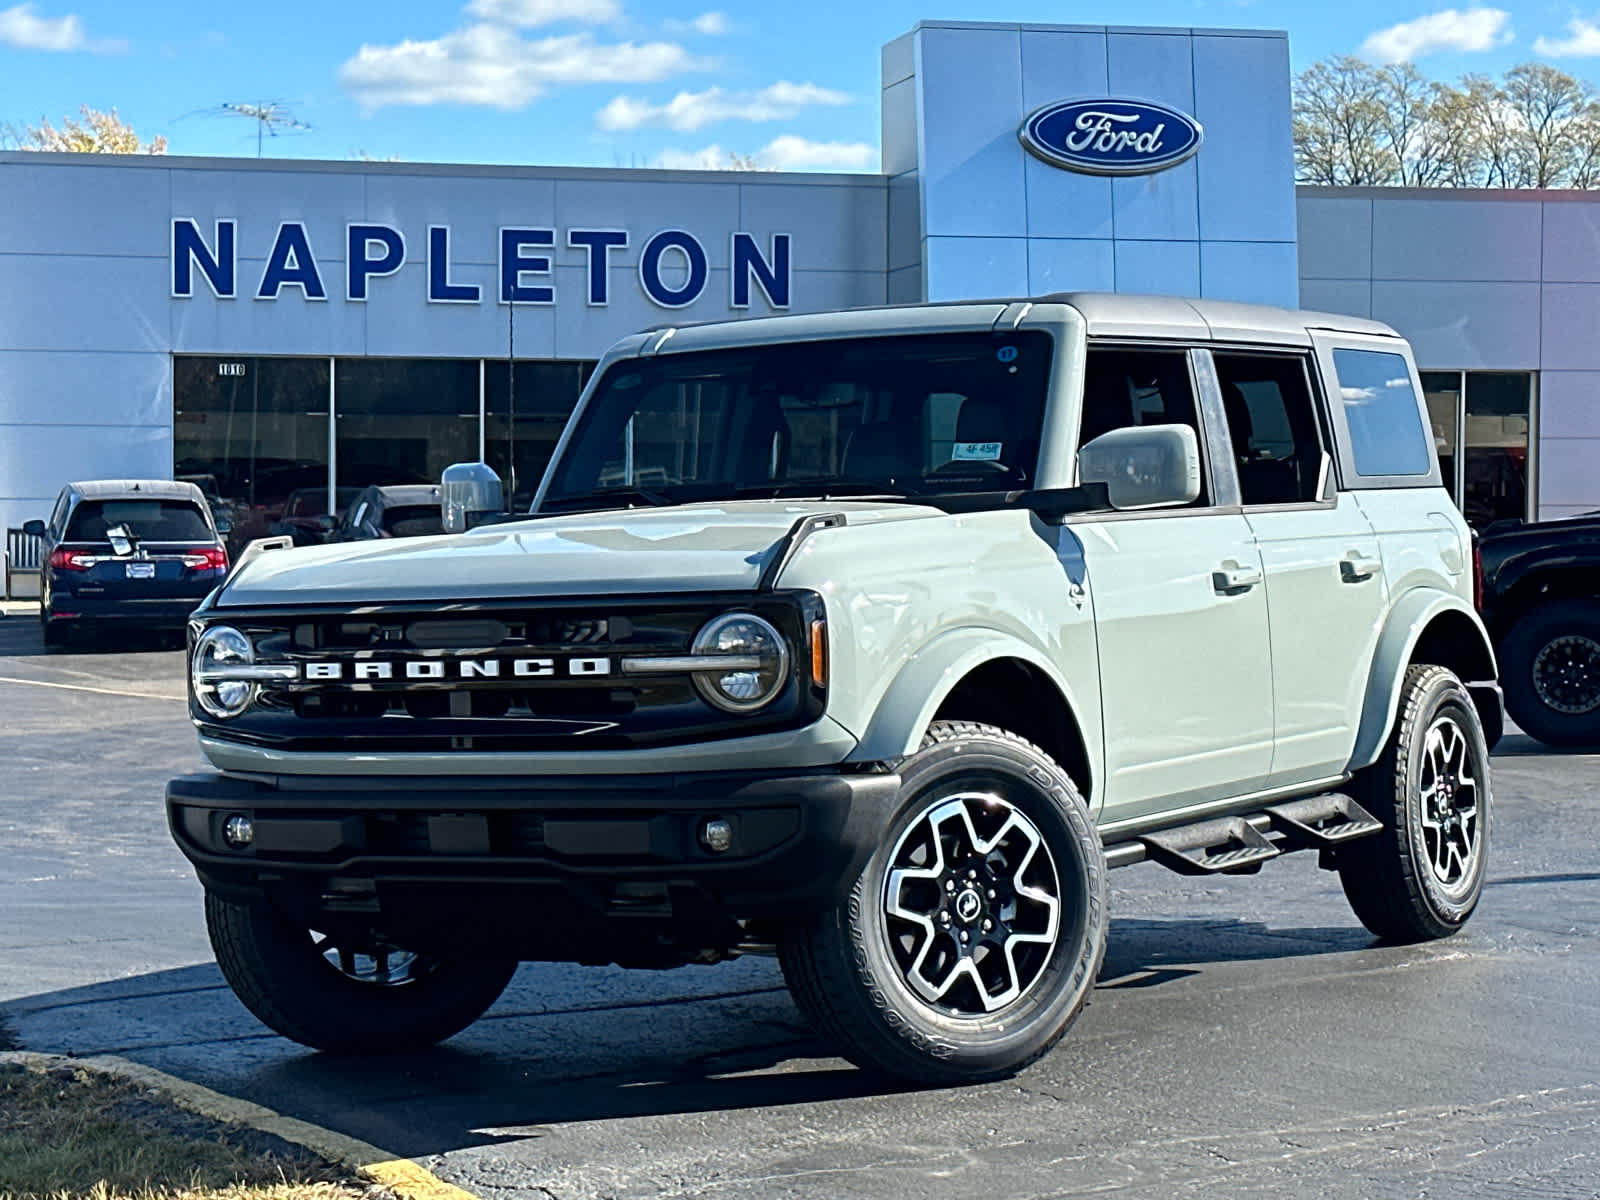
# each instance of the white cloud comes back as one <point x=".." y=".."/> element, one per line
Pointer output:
<point x="1465" y="30"/>
<point x="786" y="153"/>
<point x="494" y="67"/>
<point x="689" y="111"/>
<point x="712" y="24"/>
<point x="21" y="27"/>
<point x="1582" y="41"/>
<point x="525" y="14"/>
<point x="790" y="153"/>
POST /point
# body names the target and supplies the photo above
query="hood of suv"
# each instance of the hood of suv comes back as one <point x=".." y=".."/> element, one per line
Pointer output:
<point x="685" y="548"/>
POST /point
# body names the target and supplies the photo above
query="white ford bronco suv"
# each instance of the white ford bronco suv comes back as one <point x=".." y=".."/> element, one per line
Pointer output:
<point x="873" y="640"/>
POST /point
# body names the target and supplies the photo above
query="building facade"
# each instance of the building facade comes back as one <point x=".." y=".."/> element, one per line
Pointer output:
<point x="284" y="332"/>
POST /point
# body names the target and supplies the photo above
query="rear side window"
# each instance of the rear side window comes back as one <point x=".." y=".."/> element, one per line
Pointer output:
<point x="1382" y="414"/>
<point x="146" y="520"/>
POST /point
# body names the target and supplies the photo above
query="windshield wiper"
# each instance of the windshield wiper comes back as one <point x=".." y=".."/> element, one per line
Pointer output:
<point x="632" y="495"/>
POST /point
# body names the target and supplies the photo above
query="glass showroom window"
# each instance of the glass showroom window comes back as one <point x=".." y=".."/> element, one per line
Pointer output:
<point x="520" y="428"/>
<point x="403" y="420"/>
<point x="253" y="433"/>
<point x="1482" y="426"/>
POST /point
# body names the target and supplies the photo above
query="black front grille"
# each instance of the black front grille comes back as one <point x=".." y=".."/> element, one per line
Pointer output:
<point x="507" y="676"/>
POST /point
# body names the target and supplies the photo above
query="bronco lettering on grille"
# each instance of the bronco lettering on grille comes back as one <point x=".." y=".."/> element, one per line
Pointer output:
<point x="398" y="670"/>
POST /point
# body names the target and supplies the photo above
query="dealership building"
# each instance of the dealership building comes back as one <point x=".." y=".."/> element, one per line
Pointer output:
<point x="287" y="327"/>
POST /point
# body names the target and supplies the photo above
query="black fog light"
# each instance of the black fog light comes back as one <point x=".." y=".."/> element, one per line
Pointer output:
<point x="716" y="836"/>
<point x="238" y="831"/>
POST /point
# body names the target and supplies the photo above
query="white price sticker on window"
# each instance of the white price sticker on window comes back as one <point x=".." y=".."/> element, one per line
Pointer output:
<point x="976" y="451"/>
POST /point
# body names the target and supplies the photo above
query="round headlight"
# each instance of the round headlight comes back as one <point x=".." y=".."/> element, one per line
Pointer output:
<point x="220" y="647"/>
<point x="745" y="687"/>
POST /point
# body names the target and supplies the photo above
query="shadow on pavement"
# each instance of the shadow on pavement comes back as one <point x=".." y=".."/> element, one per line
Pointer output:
<point x="564" y="1044"/>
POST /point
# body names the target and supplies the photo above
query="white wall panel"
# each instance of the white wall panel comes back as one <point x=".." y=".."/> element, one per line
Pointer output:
<point x="1335" y="237"/>
<point x="475" y="208"/>
<point x="1251" y="272"/>
<point x="905" y="285"/>
<point x="1241" y="91"/>
<point x="1350" y="297"/>
<point x="960" y="268"/>
<point x="1569" y="472"/>
<point x="35" y="460"/>
<point x="322" y="201"/>
<point x="1065" y="265"/>
<point x="1427" y="238"/>
<point x="1572" y="241"/>
<point x="905" y="221"/>
<point x="971" y="86"/>
<point x="1060" y="65"/>
<point x="87" y="209"/>
<point x="1164" y="268"/>
<point x="1484" y="325"/>
<point x="1569" y="406"/>
<point x="1571" y="326"/>
<point x="831" y="228"/>
<point x="75" y="387"/>
<point x="63" y="302"/>
<point x="1160" y="67"/>
<point x="399" y="321"/>
<point x="898" y="129"/>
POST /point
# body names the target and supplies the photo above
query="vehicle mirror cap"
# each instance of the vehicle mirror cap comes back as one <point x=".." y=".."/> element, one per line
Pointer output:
<point x="224" y="526"/>
<point x="1144" y="466"/>
<point x="33" y="528"/>
<point x="467" y="491"/>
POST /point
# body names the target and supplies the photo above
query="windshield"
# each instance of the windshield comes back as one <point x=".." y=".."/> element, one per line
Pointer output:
<point x="147" y="520"/>
<point x="898" y="416"/>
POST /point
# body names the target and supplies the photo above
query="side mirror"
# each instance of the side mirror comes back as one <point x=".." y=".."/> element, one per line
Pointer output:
<point x="33" y="528"/>
<point x="224" y="526"/>
<point x="1144" y="466"/>
<point x="467" y="493"/>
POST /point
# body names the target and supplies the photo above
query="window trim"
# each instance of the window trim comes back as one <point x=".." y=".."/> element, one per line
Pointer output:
<point x="1345" y="455"/>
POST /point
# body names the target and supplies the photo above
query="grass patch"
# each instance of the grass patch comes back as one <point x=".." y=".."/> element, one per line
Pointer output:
<point x="67" y="1133"/>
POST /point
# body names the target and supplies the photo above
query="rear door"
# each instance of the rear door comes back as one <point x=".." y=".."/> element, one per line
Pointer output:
<point x="1180" y="613"/>
<point x="168" y="552"/>
<point x="1325" y="590"/>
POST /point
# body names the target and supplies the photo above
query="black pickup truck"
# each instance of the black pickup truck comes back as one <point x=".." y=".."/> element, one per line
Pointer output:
<point x="1541" y="602"/>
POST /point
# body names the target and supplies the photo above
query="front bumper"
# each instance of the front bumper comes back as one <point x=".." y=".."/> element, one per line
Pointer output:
<point x="388" y="850"/>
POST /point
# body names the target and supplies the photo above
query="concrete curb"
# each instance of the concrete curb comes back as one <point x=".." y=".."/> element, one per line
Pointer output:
<point x="399" y="1175"/>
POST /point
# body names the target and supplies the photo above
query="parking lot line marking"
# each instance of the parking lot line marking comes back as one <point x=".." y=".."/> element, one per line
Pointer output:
<point x="81" y="687"/>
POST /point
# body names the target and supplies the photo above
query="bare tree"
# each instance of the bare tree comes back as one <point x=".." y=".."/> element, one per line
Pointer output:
<point x="95" y="132"/>
<point x="1339" y="125"/>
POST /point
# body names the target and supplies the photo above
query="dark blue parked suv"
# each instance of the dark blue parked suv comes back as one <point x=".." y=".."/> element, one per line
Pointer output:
<point x="126" y="552"/>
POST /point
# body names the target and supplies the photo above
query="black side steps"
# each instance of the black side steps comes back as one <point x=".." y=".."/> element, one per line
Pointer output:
<point x="1226" y="844"/>
<point x="1238" y="845"/>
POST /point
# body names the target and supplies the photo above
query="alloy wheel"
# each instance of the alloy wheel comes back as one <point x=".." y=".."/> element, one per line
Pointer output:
<point x="973" y="904"/>
<point x="378" y="966"/>
<point x="1566" y="674"/>
<point x="1450" y="810"/>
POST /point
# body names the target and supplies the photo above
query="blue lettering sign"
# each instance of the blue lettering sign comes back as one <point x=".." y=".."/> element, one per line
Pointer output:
<point x="189" y="250"/>
<point x="650" y="268"/>
<point x="598" y="244"/>
<point x="1111" y="137"/>
<point x="291" y="264"/>
<point x="514" y="264"/>
<point x="772" y="274"/>
<point x="440" y="289"/>
<point x="359" y="263"/>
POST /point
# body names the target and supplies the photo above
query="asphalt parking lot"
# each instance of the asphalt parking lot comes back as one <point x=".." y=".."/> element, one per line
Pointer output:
<point x="1247" y="1037"/>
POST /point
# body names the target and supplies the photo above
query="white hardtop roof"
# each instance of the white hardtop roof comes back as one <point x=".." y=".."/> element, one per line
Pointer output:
<point x="137" y="489"/>
<point x="1108" y="314"/>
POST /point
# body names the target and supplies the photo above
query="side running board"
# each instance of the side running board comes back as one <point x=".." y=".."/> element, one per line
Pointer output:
<point x="1238" y="845"/>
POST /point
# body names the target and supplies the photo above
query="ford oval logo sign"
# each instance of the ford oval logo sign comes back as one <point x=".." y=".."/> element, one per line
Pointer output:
<point x="1111" y="137"/>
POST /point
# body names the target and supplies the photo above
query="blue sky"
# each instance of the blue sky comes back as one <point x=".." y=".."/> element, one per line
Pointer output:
<point x="620" y="82"/>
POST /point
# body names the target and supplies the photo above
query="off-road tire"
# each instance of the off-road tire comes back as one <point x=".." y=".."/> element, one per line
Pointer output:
<point x="838" y="963"/>
<point x="1520" y="650"/>
<point x="1388" y="877"/>
<point x="274" y="969"/>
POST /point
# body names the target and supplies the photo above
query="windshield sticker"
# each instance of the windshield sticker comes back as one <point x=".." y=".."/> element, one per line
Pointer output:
<point x="976" y="452"/>
<point x="1006" y="354"/>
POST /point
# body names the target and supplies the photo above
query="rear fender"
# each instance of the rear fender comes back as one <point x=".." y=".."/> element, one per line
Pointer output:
<point x="1409" y="620"/>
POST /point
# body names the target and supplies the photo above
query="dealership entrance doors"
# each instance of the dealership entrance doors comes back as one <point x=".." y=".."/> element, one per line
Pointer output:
<point x="1483" y="425"/>
<point x="273" y="440"/>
